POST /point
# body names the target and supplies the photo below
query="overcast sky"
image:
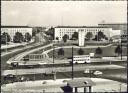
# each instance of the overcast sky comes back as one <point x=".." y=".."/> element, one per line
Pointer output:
<point x="52" y="13"/>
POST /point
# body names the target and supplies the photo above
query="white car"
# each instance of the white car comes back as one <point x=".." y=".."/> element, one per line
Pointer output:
<point x="41" y="63"/>
<point x="97" y="73"/>
<point x="86" y="71"/>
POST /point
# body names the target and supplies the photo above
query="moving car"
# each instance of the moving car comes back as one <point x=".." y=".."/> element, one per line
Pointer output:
<point x="98" y="73"/>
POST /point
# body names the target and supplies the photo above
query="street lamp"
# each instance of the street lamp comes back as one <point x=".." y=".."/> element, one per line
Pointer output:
<point x="6" y="43"/>
<point x="53" y="55"/>
<point x="72" y="65"/>
<point x="120" y="41"/>
<point x="121" y="49"/>
<point x="120" y="87"/>
<point x="53" y="71"/>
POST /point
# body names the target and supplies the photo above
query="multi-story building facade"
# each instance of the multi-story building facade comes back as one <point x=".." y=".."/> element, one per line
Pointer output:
<point x="11" y="30"/>
<point x="60" y="31"/>
<point x="117" y="26"/>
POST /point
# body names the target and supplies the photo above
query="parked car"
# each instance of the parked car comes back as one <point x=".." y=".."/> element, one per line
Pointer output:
<point x="9" y="76"/>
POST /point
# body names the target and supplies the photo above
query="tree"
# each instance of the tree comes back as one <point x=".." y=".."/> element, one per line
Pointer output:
<point x="65" y="37"/>
<point x="89" y="35"/>
<point x="95" y="38"/>
<point x="106" y="38"/>
<point x="34" y="31"/>
<point x="50" y="32"/>
<point x="100" y="35"/>
<point x="27" y="37"/>
<point x="18" y="37"/>
<point x="5" y="37"/>
<point x="98" y="51"/>
<point x="57" y="38"/>
<point x="80" y="51"/>
<point x="110" y="40"/>
<point x="118" y="50"/>
<point x="61" y="51"/>
<point x="75" y="35"/>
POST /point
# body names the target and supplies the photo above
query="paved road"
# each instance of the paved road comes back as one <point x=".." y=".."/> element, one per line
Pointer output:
<point x="106" y="60"/>
<point x="18" y="49"/>
<point x="21" y="55"/>
<point x="57" y="69"/>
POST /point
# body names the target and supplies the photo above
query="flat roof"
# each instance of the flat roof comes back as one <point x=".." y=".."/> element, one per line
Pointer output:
<point x="80" y="82"/>
<point x="81" y="27"/>
<point x="112" y="24"/>
<point x="15" y="26"/>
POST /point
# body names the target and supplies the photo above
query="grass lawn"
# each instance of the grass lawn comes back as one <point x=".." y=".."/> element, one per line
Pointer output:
<point x="107" y="51"/>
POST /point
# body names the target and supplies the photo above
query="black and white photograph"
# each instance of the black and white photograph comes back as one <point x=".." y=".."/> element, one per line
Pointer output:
<point x="64" y="46"/>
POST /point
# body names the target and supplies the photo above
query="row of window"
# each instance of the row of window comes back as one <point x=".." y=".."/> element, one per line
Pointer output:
<point x="82" y="60"/>
<point x="13" y="32"/>
<point x="81" y="29"/>
<point x="36" y="57"/>
<point x="83" y="56"/>
<point x="62" y="34"/>
<point x="68" y="29"/>
<point x="73" y="32"/>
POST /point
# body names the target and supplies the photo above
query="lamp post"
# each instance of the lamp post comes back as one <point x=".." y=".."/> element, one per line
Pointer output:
<point x="120" y="87"/>
<point x="6" y="43"/>
<point x="53" y="72"/>
<point x="53" y="55"/>
<point x="121" y="48"/>
<point x="72" y="65"/>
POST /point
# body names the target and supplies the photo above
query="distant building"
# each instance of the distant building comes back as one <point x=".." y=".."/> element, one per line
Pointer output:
<point x="60" y="31"/>
<point x="117" y="26"/>
<point x="11" y="30"/>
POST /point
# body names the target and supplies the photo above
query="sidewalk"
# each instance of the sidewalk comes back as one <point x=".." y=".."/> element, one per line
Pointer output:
<point x="102" y="85"/>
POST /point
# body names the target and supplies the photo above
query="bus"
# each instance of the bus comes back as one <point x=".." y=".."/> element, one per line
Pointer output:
<point x="81" y="59"/>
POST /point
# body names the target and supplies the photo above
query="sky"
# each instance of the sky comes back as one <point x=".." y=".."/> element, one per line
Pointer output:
<point x="53" y="13"/>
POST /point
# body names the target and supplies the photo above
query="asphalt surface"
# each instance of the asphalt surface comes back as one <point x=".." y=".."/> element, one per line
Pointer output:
<point x="113" y="74"/>
<point x="59" y="69"/>
<point x="35" y="65"/>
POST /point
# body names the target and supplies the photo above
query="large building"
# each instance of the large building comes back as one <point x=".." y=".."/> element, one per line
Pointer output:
<point x="11" y="30"/>
<point x="60" y="31"/>
<point x="117" y="26"/>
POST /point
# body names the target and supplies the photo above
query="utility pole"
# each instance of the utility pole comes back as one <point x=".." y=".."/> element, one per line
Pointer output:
<point x="72" y="64"/>
<point x="6" y="43"/>
<point x="121" y="49"/>
<point x="53" y="58"/>
<point x="90" y="73"/>
<point x="53" y="55"/>
<point x="53" y="72"/>
<point x="120" y="87"/>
